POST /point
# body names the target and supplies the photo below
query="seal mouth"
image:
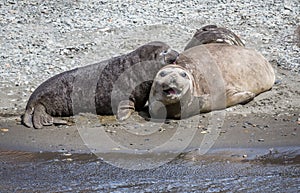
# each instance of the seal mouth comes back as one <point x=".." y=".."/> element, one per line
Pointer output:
<point x="171" y="91"/>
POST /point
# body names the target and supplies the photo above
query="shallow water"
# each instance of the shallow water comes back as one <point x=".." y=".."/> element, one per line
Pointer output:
<point x="58" y="172"/>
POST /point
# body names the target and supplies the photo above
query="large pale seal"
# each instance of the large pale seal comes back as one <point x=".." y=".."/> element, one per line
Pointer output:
<point x="214" y="34"/>
<point x="89" y="88"/>
<point x="209" y="77"/>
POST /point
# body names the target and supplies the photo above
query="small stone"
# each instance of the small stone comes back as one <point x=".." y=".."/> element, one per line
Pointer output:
<point x="62" y="150"/>
<point x="288" y="7"/>
<point x="110" y="131"/>
<point x="106" y="29"/>
<point x="161" y="129"/>
<point x="4" y="130"/>
<point x="200" y="126"/>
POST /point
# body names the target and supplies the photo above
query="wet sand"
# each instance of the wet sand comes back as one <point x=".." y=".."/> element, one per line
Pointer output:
<point x="252" y="132"/>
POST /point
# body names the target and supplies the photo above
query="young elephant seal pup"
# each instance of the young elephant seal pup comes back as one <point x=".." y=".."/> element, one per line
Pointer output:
<point x="209" y="77"/>
<point x="214" y="34"/>
<point x="89" y="88"/>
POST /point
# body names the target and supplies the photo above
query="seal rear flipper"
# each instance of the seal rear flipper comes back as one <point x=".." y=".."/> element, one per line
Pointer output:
<point x="125" y="109"/>
<point x="41" y="118"/>
<point x="27" y="118"/>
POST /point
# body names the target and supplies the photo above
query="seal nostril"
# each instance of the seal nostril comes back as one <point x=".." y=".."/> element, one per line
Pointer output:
<point x="173" y="80"/>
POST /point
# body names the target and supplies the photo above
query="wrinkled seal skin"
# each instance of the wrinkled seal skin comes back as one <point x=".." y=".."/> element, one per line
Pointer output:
<point x="214" y="34"/>
<point x="217" y="76"/>
<point x="88" y="88"/>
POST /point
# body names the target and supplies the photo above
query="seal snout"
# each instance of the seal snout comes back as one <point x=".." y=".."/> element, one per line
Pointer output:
<point x="170" y="56"/>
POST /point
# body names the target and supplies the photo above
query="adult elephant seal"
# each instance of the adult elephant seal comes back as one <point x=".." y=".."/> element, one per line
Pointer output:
<point x="209" y="77"/>
<point x="214" y="34"/>
<point x="89" y="88"/>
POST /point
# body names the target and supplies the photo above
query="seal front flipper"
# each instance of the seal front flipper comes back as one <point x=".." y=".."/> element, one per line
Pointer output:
<point x="238" y="97"/>
<point x="125" y="109"/>
<point x="194" y="107"/>
<point x="41" y="118"/>
<point x="204" y="102"/>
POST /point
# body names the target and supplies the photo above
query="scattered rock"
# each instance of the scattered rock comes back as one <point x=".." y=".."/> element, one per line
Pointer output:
<point x="4" y="130"/>
<point x="67" y="154"/>
<point x="110" y="131"/>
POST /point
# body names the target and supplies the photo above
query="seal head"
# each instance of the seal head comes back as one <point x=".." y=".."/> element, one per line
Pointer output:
<point x="214" y="34"/>
<point x="172" y="88"/>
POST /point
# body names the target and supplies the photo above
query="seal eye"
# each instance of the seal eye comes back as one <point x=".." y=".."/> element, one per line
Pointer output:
<point x="183" y="74"/>
<point x="165" y="52"/>
<point x="162" y="74"/>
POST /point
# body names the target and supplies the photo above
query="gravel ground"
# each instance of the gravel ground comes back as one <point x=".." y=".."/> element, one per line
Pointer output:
<point x="39" y="39"/>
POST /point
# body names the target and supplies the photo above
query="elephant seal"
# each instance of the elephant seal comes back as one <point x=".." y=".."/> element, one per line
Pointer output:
<point x="214" y="34"/>
<point x="89" y="88"/>
<point x="209" y="77"/>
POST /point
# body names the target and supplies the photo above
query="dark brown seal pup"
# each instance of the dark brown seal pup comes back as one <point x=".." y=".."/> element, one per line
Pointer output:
<point x="209" y="77"/>
<point x="89" y="88"/>
<point x="214" y="34"/>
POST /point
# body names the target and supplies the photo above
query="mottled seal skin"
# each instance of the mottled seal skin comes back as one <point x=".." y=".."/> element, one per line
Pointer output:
<point x="214" y="34"/>
<point x="209" y="77"/>
<point x="89" y="88"/>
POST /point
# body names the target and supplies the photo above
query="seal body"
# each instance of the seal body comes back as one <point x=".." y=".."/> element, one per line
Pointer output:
<point x="216" y="76"/>
<point x="214" y="34"/>
<point x="89" y="88"/>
